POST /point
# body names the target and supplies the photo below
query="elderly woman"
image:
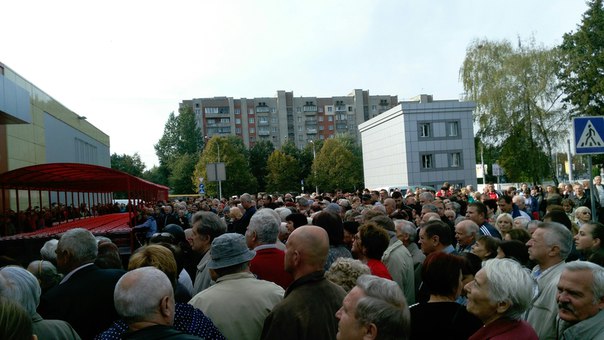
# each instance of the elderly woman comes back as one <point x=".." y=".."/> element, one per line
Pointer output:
<point x="501" y="291"/>
<point x="345" y="271"/>
<point x="589" y="242"/>
<point x="485" y="247"/>
<point x="22" y="287"/>
<point x="505" y="223"/>
<point x="582" y="215"/>
<point x="441" y="316"/>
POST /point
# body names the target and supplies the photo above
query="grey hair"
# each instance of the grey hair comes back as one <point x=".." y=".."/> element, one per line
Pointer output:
<point x="245" y="198"/>
<point x="208" y="223"/>
<point x="427" y="196"/>
<point x="80" y="243"/>
<point x="430" y="207"/>
<point x="406" y="227"/>
<point x="138" y="292"/>
<point x="266" y="223"/>
<point x="383" y="305"/>
<point x="333" y="208"/>
<point x="523" y="221"/>
<point x="557" y="235"/>
<point x="283" y="212"/>
<point x="597" y="288"/>
<point x="345" y="271"/>
<point x="509" y="281"/>
<point x="471" y="228"/>
<point x="21" y="286"/>
<point x="456" y="207"/>
<point x="48" y="250"/>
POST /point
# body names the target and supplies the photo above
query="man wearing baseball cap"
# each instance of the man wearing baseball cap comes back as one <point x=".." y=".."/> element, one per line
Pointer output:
<point x="238" y="303"/>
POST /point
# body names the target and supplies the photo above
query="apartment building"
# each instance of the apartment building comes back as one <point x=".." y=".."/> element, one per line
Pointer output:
<point x="420" y="142"/>
<point x="286" y="117"/>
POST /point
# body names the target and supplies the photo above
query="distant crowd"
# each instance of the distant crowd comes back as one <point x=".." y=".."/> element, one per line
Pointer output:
<point x="520" y="263"/>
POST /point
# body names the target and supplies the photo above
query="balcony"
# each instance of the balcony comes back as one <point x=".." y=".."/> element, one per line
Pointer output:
<point x="309" y="109"/>
<point x="311" y="131"/>
<point x="264" y="133"/>
<point x="263" y="109"/>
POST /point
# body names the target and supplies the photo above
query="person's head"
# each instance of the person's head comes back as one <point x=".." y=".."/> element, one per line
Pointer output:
<point x="230" y="254"/>
<point x="501" y="289"/>
<point x="590" y="236"/>
<point x="350" y="229"/>
<point x="476" y="212"/>
<point x="332" y="224"/>
<point x="520" y="201"/>
<point x="246" y="200"/>
<point x="441" y="275"/>
<point x="206" y="227"/>
<point x="405" y="231"/>
<point x="556" y="215"/>
<point x="579" y="191"/>
<point x="583" y="214"/>
<point x="145" y="295"/>
<point x="108" y="256"/>
<point x="434" y="236"/>
<point x="263" y="228"/>
<point x="235" y="213"/>
<point x="306" y="250"/>
<point x="426" y="197"/>
<point x="374" y="309"/>
<point x="75" y="248"/>
<point x="345" y="271"/>
<point x="15" y="323"/>
<point x="568" y="205"/>
<point x="521" y="222"/>
<point x="48" y="251"/>
<point x="46" y="273"/>
<point x="550" y="244"/>
<point x="158" y="256"/>
<point x="504" y="222"/>
<point x="295" y="220"/>
<point x="485" y="247"/>
<point x="21" y="286"/>
<point x="505" y="204"/>
<point x="390" y="205"/>
<point x="466" y="232"/>
<point x="580" y="291"/>
<point x="513" y="249"/>
<point x="371" y="241"/>
<point x="521" y="235"/>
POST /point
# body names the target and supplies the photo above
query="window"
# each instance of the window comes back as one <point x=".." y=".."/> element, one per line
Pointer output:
<point x="225" y="120"/>
<point x="274" y="120"/>
<point x="252" y="130"/>
<point x="427" y="162"/>
<point x="424" y="130"/>
<point x="298" y="109"/>
<point x="350" y="109"/>
<point x="237" y="120"/>
<point x="263" y="120"/>
<point x="330" y="118"/>
<point x="237" y="111"/>
<point x="455" y="160"/>
<point x="331" y="128"/>
<point x="299" y="119"/>
<point x="373" y="107"/>
<point x="251" y="120"/>
<point x="238" y="131"/>
<point x="320" y="118"/>
<point x="274" y="129"/>
<point x="211" y="110"/>
<point x="300" y="128"/>
<point x="321" y="127"/>
<point x="330" y="109"/>
<point x="273" y="110"/>
<point x="453" y="129"/>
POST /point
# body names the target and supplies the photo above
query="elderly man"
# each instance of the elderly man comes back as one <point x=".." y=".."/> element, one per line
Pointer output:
<point x="374" y="309"/>
<point x="549" y="246"/>
<point x="238" y="303"/>
<point x="250" y="209"/>
<point x="84" y="298"/>
<point x="434" y="236"/>
<point x="144" y="298"/>
<point x="581" y="301"/>
<point x="406" y="232"/>
<point x="311" y="301"/>
<point x="500" y="293"/>
<point x="206" y="227"/>
<point x="465" y="233"/>
<point x="261" y="236"/>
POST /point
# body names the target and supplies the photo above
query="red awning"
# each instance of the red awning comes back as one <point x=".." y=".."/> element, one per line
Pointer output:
<point x="75" y="177"/>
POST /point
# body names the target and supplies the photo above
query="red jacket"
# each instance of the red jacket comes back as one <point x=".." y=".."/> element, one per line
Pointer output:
<point x="268" y="264"/>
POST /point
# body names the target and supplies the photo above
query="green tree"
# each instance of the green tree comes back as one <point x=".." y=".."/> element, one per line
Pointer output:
<point x="129" y="164"/>
<point x="156" y="175"/>
<point x="282" y="173"/>
<point x="259" y="154"/>
<point x="582" y="62"/>
<point x="178" y="150"/>
<point x="239" y="178"/>
<point x="517" y="95"/>
<point x="337" y="166"/>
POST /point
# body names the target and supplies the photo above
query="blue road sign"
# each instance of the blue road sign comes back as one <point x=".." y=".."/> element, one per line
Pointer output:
<point x="202" y="189"/>
<point x="588" y="132"/>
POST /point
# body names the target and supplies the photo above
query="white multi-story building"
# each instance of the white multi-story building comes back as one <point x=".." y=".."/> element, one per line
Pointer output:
<point x="420" y="142"/>
<point x="285" y="117"/>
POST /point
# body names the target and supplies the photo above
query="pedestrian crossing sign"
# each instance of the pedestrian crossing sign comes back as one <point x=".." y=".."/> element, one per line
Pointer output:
<point x="588" y="133"/>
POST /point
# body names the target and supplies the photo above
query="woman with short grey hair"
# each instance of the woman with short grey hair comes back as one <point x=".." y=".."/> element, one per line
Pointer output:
<point x="501" y="291"/>
<point x="22" y="287"/>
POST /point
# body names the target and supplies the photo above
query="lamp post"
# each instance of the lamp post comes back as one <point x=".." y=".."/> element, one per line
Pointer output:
<point x="314" y="158"/>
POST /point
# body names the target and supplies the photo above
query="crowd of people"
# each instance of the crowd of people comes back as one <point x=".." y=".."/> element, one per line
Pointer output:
<point x="457" y="264"/>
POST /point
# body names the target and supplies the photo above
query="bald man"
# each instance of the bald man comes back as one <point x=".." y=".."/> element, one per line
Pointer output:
<point x="311" y="301"/>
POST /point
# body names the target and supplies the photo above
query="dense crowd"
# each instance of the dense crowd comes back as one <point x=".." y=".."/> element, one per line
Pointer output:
<point x="520" y="263"/>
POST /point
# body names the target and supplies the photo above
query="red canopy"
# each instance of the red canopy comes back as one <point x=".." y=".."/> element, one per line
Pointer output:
<point x="76" y="177"/>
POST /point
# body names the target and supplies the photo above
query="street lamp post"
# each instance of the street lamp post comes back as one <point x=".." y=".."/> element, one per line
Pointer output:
<point x="314" y="158"/>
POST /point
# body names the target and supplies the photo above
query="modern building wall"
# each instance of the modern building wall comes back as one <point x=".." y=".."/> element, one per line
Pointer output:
<point x="285" y="117"/>
<point x="420" y="142"/>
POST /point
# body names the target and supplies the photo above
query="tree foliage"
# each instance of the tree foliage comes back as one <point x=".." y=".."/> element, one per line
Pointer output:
<point x="581" y="68"/>
<point x="178" y="150"/>
<point x="338" y="165"/>
<point x="239" y="178"/>
<point x="259" y="155"/>
<point x="517" y="96"/>
<point x="129" y="164"/>
<point x="282" y="172"/>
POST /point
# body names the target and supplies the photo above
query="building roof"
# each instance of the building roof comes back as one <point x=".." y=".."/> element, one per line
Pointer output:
<point x="76" y="177"/>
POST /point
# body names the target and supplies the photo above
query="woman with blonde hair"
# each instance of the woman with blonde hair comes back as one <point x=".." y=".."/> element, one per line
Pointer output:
<point x="505" y="223"/>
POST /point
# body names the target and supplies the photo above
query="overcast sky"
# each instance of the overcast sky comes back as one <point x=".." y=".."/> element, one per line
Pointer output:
<point x="126" y="65"/>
